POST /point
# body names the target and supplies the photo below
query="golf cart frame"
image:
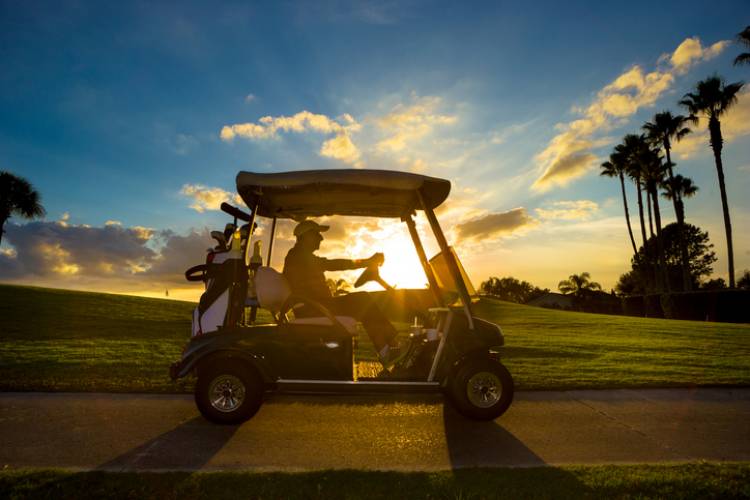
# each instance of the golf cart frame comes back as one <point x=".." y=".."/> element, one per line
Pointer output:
<point x="237" y="361"/>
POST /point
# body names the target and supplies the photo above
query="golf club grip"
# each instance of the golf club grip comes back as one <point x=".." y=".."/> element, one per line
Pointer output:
<point x="235" y="212"/>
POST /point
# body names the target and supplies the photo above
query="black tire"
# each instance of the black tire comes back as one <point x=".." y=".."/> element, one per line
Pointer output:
<point x="481" y="389"/>
<point x="227" y="392"/>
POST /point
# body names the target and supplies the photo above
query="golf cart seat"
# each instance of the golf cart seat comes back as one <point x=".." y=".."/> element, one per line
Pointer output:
<point x="275" y="295"/>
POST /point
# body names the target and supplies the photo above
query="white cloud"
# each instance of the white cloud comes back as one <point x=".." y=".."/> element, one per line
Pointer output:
<point x="406" y="124"/>
<point x="207" y="198"/>
<point x="339" y="147"/>
<point x="691" y="51"/>
<point x="569" y="210"/>
<point x="250" y="98"/>
<point x="568" y="155"/>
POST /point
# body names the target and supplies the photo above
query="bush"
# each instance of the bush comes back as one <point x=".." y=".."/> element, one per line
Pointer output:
<point x="730" y="306"/>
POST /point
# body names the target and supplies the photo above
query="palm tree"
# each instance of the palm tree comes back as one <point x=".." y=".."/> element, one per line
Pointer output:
<point x="578" y="284"/>
<point x="679" y="187"/>
<point x="743" y="38"/>
<point x="615" y="167"/>
<point x="653" y="171"/>
<point x="17" y="197"/>
<point x="626" y="149"/>
<point x="661" y="131"/>
<point x="712" y="98"/>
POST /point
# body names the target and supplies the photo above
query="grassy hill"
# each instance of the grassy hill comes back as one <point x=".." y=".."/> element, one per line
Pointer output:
<point x="78" y="341"/>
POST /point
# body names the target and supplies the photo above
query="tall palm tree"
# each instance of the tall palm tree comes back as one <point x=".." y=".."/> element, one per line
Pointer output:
<point x="578" y="284"/>
<point x="712" y="98"/>
<point x="17" y="197"/>
<point x="627" y="149"/>
<point x="653" y="172"/>
<point x="743" y="38"/>
<point x="664" y="128"/>
<point x="615" y="167"/>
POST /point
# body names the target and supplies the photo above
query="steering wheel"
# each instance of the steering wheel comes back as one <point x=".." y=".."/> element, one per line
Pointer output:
<point x="372" y="273"/>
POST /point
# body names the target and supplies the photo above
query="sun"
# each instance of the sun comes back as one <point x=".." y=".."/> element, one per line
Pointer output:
<point x="402" y="268"/>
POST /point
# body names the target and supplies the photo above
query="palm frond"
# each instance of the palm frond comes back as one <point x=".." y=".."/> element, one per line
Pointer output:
<point x="741" y="59"/>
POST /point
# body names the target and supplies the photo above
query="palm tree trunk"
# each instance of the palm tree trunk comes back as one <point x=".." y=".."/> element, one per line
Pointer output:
<point x="650" y="223"/>
<point x="716" y="144"/>
<point x="659" y="242"/>
<point x="640" y="210"/>
<point x="647" y="264"/>
<point x="677" y="202"/>
<point x="627" y="215"/>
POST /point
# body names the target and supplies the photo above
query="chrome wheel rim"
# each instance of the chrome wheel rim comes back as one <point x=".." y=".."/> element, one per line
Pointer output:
<point x="484" y="389"/>
<point x="226" y="393"/>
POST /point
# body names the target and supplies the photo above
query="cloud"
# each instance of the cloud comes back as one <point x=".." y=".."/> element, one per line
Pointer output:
<point x="110" y="257"/>
<point x="568" y="155"/>
<point x="690" y="51"/>
<point x="495" y="224"/>
<point x="734" y="124"/>
<point x="53" y="249"/>
<point x="182" y="144"/>
<point x="569" y="210"/>
<point x="250" y="98"/>
<point x="567" y="166"/>
<point x="207" y="198"/>
<point x="339" y="147"/>
<point x="406" y="124"/>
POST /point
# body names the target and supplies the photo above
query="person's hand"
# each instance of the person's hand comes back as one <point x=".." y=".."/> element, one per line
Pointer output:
<point x="377" y="259"/>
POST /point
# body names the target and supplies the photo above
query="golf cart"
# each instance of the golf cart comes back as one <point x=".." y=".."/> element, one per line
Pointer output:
<point x="237" y="358"/>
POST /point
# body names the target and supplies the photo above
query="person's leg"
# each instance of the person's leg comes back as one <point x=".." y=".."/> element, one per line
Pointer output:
<point x="361" y="306"/>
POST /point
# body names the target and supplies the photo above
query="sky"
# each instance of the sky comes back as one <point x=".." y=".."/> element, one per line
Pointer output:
<point x="132" y="120"/>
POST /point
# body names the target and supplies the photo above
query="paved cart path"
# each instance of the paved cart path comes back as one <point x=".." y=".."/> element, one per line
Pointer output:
<point x="157" y="432"/>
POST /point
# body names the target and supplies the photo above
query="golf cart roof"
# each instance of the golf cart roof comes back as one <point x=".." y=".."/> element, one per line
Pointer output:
<point x="312" y="193"/>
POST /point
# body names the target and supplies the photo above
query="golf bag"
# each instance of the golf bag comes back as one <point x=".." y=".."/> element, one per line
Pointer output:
<point x="226" y="279"/>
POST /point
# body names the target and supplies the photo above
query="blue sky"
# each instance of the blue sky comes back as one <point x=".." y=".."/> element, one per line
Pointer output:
<point x="115" y="112"/>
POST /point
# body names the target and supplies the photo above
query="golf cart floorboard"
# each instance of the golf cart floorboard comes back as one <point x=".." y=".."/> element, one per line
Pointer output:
<point x="361" y="386"/>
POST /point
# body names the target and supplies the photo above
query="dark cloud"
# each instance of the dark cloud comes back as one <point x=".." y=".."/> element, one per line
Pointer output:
<point x="178" y="253"/>
<point x="111" y="253"/>
<point x="57" y="248"/>
<point x="495" y="224"/>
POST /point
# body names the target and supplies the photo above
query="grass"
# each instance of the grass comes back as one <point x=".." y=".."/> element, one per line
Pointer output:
<point x="700" y="481"/>
<point x="59" y="340"/>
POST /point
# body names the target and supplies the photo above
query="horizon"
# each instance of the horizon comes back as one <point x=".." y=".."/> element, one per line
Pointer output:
<point x="132" y="121"/>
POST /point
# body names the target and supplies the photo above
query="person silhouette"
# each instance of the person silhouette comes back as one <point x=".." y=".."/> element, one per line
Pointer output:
<point x="305" y="273"/>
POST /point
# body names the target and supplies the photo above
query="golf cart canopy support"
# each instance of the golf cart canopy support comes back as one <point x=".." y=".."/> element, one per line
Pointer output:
<point x="314" y="193"/>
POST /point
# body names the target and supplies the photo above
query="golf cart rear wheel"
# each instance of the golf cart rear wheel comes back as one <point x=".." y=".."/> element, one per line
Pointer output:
<point x="482" y="389"/>
<point x="227" y="392"/>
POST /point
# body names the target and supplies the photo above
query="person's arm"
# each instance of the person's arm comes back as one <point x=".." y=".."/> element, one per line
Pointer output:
<point x="347" y="264"/>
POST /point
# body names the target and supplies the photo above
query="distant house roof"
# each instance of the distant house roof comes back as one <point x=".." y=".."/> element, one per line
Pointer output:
<point x="552" y="299"/>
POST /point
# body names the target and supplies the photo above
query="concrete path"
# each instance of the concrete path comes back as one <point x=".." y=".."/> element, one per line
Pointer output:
<point x="155" y="432"/>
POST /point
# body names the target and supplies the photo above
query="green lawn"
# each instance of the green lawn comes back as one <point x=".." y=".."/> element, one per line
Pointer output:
<point x="60" y="340"/>
<point x="699" y="481"/>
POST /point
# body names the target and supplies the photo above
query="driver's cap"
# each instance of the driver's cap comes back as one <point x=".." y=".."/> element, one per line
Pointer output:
<point x="307" y="226"/>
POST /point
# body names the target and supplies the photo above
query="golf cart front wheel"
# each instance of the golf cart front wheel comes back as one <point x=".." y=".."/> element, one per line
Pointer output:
<point x="228" y="393"/>
<point x="482" y="389"/>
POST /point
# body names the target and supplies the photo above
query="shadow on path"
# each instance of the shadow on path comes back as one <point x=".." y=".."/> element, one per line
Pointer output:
<point x="189" y="446"/>
<point x="474" y="443"/>
<point x="486" y="446"/>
